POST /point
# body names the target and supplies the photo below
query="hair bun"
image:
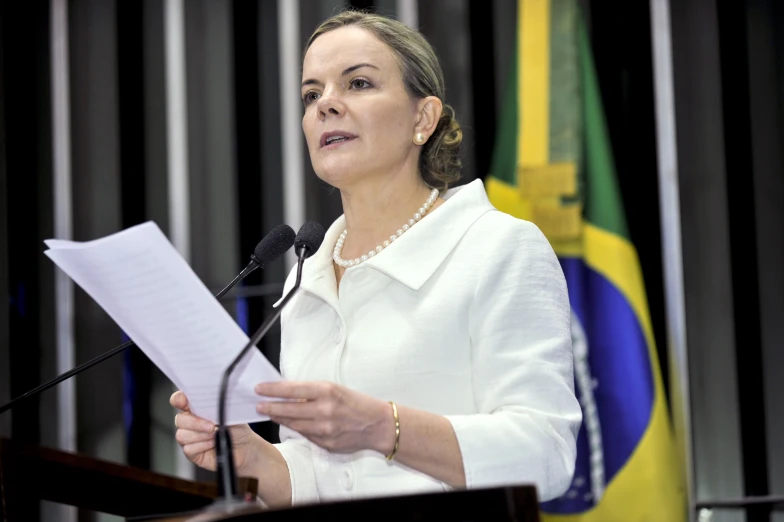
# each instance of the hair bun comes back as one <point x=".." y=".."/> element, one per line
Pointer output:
<point x="440" y="161"/>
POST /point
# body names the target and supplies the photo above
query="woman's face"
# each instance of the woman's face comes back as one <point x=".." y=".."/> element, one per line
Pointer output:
<point x="359" y="120"/>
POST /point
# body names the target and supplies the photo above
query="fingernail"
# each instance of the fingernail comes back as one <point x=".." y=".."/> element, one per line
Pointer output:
<point x="261" y="407"/>
<point x="208" y="427"/>
<point x="259" y="388"/>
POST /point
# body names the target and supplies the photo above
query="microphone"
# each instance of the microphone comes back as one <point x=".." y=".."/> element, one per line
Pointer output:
<point x="276" y="243"/>
<point x="307" y="242"/>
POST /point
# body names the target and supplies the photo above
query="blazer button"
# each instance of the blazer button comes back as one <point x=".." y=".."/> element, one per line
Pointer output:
<point x="347" y="480"/>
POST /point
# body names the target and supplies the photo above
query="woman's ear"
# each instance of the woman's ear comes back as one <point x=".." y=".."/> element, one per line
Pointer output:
<point x="429" y="111"/>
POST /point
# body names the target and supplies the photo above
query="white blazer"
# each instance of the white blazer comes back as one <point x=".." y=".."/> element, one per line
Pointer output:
<point x="467" y="316"/>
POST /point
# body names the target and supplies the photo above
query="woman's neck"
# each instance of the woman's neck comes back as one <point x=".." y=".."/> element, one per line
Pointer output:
<point x="373" y="213"/>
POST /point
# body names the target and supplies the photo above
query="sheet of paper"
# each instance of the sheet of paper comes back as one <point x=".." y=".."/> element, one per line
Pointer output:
<point x="143" y="283"/>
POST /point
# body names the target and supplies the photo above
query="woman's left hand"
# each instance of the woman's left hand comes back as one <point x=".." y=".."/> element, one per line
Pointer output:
<point x="336" y="418"/>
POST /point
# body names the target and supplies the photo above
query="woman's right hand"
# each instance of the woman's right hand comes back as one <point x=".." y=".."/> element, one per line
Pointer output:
<point x="197" y="437"/>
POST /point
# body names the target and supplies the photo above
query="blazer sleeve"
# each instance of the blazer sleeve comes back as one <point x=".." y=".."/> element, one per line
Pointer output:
<point x="527" y="419"/>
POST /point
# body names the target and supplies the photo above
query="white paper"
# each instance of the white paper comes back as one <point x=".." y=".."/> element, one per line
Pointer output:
<point x="143" y="283"/>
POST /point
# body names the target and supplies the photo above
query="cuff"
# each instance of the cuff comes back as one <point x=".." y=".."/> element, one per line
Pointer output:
<point x="296" y="453"/>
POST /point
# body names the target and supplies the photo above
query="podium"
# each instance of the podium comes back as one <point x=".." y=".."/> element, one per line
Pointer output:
<point x="30" y="473"/>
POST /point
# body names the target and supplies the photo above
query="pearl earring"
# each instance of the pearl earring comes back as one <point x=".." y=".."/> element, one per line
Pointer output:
<point x="419" y="138"/>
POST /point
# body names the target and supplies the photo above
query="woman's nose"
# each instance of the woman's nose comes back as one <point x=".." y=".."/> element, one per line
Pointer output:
<point x="330" y="104"/>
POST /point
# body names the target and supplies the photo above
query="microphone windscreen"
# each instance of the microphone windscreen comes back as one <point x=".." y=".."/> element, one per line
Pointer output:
<point x="310" y="236"/>
<point x="276" y="243"/>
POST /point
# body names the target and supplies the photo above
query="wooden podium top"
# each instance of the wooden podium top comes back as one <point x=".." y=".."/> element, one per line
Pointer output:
<point x="30" y="473"/>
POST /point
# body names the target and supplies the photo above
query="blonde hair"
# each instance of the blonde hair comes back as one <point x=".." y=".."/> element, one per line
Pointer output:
<point x="439" y="163"/>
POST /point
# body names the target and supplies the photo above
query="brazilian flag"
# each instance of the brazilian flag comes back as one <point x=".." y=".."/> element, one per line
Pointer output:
<point x="553" y="166"/>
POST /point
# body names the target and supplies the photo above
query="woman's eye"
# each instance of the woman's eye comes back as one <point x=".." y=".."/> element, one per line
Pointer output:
<point x="359" y="83"/>
<point x="310" y="97"/>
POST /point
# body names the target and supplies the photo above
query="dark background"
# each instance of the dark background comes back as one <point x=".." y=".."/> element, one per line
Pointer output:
<point x="728" y="85"/>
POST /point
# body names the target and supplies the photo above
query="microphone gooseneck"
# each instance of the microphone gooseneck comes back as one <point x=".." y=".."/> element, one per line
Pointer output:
<point x="306" y="243"/>
<point x="276" y="243"/>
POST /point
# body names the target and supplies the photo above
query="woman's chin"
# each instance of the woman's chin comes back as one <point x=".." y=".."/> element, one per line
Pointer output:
<point x="337" y="174"/>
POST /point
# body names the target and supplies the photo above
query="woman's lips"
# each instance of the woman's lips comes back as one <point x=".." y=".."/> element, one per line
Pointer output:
<point x="337" y="143"/>
<point x="328" y="138"/>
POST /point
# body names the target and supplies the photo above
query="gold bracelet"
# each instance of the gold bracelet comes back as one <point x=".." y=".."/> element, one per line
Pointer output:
<point x="397" y="431"/>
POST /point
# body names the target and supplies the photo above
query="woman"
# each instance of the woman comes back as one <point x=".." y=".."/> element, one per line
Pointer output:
<point x="429" y="345"/>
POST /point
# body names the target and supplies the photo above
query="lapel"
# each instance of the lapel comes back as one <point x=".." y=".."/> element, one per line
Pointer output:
<point x="416" y="255"/>
<point x="318" y="274"/>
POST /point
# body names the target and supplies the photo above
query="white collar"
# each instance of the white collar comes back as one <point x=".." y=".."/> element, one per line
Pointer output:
<point x="416" y="255"/>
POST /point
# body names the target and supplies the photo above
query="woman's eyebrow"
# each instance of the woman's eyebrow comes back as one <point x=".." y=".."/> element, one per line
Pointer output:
<point x="348" y="70"/>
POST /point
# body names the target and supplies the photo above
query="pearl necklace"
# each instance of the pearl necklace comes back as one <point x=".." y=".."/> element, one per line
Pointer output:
<point x="411" y="222"/>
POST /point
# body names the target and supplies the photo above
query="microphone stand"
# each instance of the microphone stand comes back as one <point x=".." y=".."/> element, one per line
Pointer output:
<point x="227" y="477"/>
<point x="253" y="265"/>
